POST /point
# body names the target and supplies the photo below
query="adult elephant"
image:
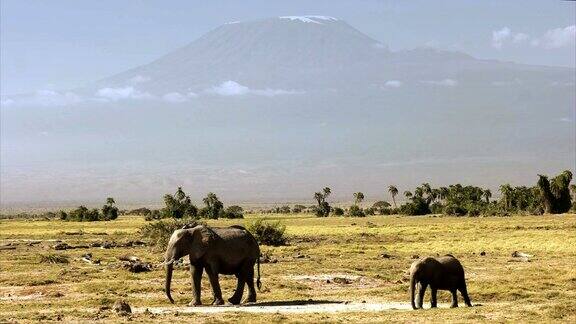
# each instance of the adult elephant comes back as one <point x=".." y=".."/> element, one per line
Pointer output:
<point x="229" y="250"/>
<point x="443" y="273"/>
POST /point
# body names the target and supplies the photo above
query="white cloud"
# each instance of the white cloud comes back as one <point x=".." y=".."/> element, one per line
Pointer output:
<point x="499" y="36"/>
<point x="229" y="88"/>
<point x="520" y="38"/>
<point x="233" y="88"/>
<point x="6" y="102"/>
<point x="139" y="79"/>
<point x="393" y="84"/>
<point x="553" y="38"/>
<point x="559" y="37"/>
<point x="174" y="97"/>
<point x="115" y="94"/>
<point x="45" y="98"/>
<point x="443" y="83"/>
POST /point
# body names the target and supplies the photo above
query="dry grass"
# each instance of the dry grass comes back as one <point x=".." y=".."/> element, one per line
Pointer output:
<point x="543" y="289"/>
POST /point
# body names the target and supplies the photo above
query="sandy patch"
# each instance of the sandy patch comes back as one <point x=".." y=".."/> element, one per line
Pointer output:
<point x="335" y="281"/>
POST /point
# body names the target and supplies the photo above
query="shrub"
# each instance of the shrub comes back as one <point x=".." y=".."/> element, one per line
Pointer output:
<point x="233" y="212"/>
<point x="268" y="233"/>
<point x="140" y="211"/>
<point x="337" y="211"/>
<point x="418" y="206"/>
<point x="158" y="233"/>
<point x="355" y="211"/>
<point x="369" y="211"/>
<point x="298" y="209"/>
<point x="53" y="258"/>
<point x="382" y="207"/>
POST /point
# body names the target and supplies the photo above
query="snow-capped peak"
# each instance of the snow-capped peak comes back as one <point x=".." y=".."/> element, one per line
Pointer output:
<point x="310" y="19"/>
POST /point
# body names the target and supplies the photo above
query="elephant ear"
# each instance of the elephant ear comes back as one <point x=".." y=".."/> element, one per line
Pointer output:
<point x="202" y="238"/>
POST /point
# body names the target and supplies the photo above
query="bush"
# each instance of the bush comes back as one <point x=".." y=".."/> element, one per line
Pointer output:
<point x="454" y="210"/>
<point x="268" y="233"/>
<point x="233" y="212"/>
<point x="337" y="211"/>
<point x="369" y="211"/>
<point x="140" y="212"/>
<point x="418" y="206"/>
<point x="158" y="233"/>
<point x="355" y="211"/>
<point x="298" y="209"/>
<point x="53" y="258"/>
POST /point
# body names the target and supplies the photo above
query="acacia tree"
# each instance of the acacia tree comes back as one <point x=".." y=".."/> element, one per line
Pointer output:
<point x="393" y="192"/>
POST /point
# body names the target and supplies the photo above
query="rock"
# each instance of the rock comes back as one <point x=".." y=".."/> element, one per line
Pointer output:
<point x="297" y="255"/>
<point x="107" y="245"/>
<point x="340" y="280"/>
<point x="61" y="246"/>
<point x="95" y="244"/>
<point x="121" y="307"/>
<point x="385" y="256"/>
<point x="482" y="253"/>
<point x="517" y="254"/>
<point x="415" y="256"/>
<point x="137" y="266"/>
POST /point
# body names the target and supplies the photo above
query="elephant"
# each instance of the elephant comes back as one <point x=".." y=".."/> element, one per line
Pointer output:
<point x="444" y="273"/>
<point x="226" y="250"/>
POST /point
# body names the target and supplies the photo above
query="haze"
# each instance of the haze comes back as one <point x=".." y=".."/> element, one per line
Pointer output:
<point x="261" y="101"/>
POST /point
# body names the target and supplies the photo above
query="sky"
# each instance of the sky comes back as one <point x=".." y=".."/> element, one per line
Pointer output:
<point x="61" y="44"/>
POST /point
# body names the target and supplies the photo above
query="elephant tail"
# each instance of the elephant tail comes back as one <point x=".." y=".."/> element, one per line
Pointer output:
<point x="258" y="282"/>
<point x="412" y="288"/>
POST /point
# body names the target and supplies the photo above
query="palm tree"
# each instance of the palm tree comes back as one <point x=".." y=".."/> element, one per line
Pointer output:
<point x="393" y="192"/>
<point x="407" y="194"/>
<point x="110" y="201"/>
<point x="358" y="197"/>
<point x="487" y="195"/>
<point x="426" y="188"/>
<point x="327" y="192"/>
<point x="180" y="195"/>
<point x="506" y="191"/>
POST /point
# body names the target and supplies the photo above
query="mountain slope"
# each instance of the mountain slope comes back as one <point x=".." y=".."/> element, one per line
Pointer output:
<point x="279" y="107"/>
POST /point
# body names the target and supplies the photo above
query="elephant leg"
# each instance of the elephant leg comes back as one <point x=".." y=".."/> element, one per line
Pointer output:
<point x="464" y="292"/>
<point x="433" y="298"/>
<point x="237" y="297"/>
<point x="213" y="276"/>
<point x="196" y="272"/>
<point x="454" y="299"/>
<point x="250" y="282"/>
<point x="421" y="293"/>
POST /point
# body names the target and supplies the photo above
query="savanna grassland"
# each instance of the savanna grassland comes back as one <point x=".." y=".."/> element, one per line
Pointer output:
<point x="34" y="285"/>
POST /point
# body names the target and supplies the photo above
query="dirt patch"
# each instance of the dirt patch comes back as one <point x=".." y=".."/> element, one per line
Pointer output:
<point x="335" y="281"/>
<point x="289" y="307"/>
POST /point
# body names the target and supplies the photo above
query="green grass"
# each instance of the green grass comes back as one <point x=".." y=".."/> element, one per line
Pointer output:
<point x="543" y="289"/>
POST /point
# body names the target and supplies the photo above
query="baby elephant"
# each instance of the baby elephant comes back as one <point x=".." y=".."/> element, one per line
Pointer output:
<point x="444" y="273"/>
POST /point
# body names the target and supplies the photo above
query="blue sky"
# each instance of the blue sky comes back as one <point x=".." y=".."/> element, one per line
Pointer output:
<point x="63" y="44"/>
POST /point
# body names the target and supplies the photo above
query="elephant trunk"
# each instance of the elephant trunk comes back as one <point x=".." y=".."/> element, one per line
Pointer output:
<point x="412" y="288"/>
<point x="169" y="268"/>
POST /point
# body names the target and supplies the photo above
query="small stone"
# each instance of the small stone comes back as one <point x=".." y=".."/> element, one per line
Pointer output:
<point x="122" y="307"/>
<point x="415" y="256"/>
<point x="482" y="253"/>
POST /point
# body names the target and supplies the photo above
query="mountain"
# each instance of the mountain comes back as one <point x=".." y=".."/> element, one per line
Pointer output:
<point x="274" y="109"/>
